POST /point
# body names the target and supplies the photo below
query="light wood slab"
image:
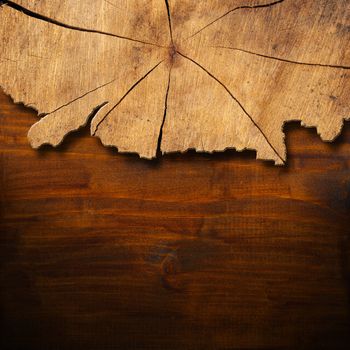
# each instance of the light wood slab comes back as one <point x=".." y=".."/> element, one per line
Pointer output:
<point x="160" y="76"/>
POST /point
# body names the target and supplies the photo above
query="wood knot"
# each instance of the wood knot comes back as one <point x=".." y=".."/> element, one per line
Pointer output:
<point x="170" y="268"/>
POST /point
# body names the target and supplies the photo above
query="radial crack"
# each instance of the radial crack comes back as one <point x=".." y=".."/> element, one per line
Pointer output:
<point x="233" y="10"/>
<point x="282" y="59"/>
<point x="169" y="21"/>
<point x="44" y="18"/>
<point x="7" y="59"/>
<point x="124" y="96"/>
<point x="112" y="4"/>
<point x="237" y="101"/>
<point x="78" y="98"/>
<point x="94" y="113"/>
<point x="165" y="114"/>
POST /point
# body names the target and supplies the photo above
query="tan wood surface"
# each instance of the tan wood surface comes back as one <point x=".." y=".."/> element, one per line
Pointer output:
<point x="161" y="76"/>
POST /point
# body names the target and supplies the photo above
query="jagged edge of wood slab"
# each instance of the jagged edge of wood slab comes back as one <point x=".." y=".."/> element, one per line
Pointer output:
<point x="174" y="51"/>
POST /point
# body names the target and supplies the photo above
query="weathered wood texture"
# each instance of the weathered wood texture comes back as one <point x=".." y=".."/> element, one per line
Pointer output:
<point x="159" y="76"/>
<point x="101" y="250"/>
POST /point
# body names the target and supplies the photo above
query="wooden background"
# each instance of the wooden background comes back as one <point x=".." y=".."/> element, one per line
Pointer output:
<point x="101" y="250"/>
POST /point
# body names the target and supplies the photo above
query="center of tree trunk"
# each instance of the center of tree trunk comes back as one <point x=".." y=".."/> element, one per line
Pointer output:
<point x="172" y="53"/>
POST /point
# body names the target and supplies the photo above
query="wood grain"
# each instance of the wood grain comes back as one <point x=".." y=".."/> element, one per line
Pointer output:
<point x="161" y="76"/>
<point x="106" y="251"/>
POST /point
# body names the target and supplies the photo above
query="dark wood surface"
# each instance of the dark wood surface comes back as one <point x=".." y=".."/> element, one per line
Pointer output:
<point x="101" y="250"/>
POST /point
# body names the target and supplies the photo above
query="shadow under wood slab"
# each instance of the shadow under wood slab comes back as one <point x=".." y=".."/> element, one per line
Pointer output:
<point x="178" y="75"/>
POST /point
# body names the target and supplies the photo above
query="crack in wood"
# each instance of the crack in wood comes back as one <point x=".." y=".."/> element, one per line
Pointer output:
<point x="44" y="18"/>
<point x="114" y="5"/>
<point x="169" y="21"/>
<point x="125" y="95"/>
<point x="237" y="101"/>
<point x="81" y="96"/>
<point x="160" y="136"/>
<point x="281" y="59"/>
<point x="94" y="113"/>
<point x="233" y="10"/>
<point x="7" y="59"/>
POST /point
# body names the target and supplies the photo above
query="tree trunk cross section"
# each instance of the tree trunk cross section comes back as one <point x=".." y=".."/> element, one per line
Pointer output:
<point x="157" y="76"/>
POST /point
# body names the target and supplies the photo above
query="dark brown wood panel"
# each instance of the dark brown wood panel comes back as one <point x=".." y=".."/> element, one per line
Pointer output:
<point x="101" y="250"/>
